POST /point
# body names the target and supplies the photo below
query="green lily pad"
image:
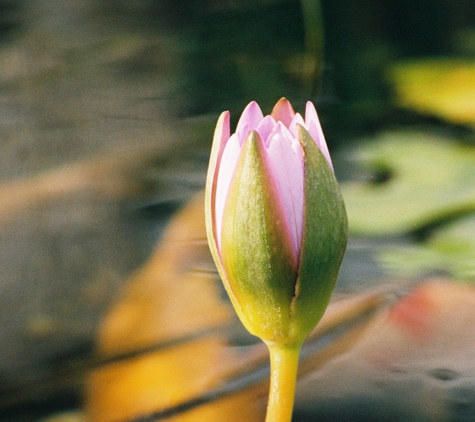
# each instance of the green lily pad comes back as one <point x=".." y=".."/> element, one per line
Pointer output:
<point x="450" y="250"/>
<point x="427" y="179"/>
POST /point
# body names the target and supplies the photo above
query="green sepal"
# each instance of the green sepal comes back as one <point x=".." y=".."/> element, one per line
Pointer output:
<point x="325" y="237"/>
<point x="256" y="249"/>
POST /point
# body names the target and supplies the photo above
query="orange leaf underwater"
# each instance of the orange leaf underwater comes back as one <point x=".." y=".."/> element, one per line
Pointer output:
<point x="175" y="300"/>
<point x="167" y="299"/>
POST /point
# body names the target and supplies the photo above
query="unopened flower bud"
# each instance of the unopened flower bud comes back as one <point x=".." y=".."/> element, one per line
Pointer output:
<point x="276" y="220"/>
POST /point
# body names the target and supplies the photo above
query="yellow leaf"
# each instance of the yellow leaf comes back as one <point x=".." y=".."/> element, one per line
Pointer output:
<point x="441" y="87"/>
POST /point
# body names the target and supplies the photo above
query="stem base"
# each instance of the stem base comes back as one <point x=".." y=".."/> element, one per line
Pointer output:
<point x="283" y="379"/>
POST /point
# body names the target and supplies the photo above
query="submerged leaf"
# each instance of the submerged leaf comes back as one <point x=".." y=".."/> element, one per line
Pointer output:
<point x="415" y="361"/>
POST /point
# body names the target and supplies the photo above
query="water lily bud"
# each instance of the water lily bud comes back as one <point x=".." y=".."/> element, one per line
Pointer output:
<point x="276" y="220"/>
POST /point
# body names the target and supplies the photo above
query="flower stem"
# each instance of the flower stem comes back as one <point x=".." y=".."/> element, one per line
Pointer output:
<point x="283" y="378"/>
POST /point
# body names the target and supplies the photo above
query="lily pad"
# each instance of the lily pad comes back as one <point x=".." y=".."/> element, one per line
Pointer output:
<point x="450" y="250"/>
<point x="426" y="179"/>
<point x="440" y="87"/>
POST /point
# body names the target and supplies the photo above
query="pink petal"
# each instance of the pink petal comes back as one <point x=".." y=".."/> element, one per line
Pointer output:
<point x="265" y="128"/>
<point x="220" y="138"/>
<point x="313" y="126"/>
<point x="249" y="120"/>
<point x="289" y="173"/>
<point x="297" y="120"/>
<point x="283" y="112"/>
<point x="297" y="148"/>
<point x="227" y="165"/>
<point x="222" y="131"/>
<point x="280" y="129"/>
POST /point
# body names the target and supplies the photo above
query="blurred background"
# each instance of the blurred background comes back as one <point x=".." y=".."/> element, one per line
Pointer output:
<point x="107" y="110"/>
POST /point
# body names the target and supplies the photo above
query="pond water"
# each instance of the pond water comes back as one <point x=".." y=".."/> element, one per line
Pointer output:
<point x="107" y="110"/>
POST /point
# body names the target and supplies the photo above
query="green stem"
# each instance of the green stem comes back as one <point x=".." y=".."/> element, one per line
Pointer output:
<point x="283" y="378"/>
<point x="314" y="43"/>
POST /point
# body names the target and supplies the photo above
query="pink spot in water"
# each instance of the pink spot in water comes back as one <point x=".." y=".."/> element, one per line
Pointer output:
<point x="414" y="314"/>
